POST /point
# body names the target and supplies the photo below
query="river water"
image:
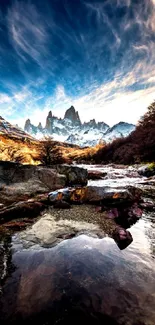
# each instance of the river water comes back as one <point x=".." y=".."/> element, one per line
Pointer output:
<point x="83" y="279"/>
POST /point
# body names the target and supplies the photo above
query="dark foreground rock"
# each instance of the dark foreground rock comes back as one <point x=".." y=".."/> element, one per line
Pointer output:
<point x="21" y="210"/>
<point x="18" y="182"/>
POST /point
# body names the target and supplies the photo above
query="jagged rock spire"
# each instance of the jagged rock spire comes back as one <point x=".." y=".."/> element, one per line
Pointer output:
<point x="40" y="126"/>
<point x="27" y="126"/>
<point x="72" y="115"/>
<point x="49" y="122"/>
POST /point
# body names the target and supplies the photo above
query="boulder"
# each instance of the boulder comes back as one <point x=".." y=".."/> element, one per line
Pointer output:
<point x="147" y="170"/>
<point x="18" y="182"/>
<point x="74" y="175"/>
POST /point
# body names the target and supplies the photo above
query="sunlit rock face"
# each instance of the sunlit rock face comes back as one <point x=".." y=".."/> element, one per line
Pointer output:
<point x="70" y="129"/>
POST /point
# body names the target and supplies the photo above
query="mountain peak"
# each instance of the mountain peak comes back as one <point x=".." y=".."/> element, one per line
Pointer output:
<point x="49" y="122"/>
<point x="40" y="126"/>
<point x="27" y="125"/>
<point x="72" y="115"/>
<point x="49" y="114"/>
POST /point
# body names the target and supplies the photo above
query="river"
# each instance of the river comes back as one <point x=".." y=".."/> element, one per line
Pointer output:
<point x="83" y="279"/>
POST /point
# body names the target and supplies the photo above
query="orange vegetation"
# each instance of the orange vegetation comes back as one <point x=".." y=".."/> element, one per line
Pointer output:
<point x="27" y="151"/>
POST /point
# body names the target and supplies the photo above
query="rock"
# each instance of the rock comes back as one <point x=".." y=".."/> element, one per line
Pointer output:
<point x="69" y="194"/>
<point x="72" y="115"/>
<point x="74" y="175"/>
<point x="95" y="174"/>
<point x="62" y="194"/>
<point x="147" y="170"/>
<point x="17" y="225"/>
<point x="105" y="194"/>
<point x="62" y="205"/>
<point x="122" y="237"/>
<point x="95" y="194"/>
<point x="18" y="181"/>
<point x="21" y="210"/>
<point x="125" y="214"/>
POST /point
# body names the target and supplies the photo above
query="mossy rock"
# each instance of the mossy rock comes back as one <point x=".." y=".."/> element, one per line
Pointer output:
<point x="147" y="170"/>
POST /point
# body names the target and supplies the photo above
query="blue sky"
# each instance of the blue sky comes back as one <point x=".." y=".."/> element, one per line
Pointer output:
<point x="96" y="55"/>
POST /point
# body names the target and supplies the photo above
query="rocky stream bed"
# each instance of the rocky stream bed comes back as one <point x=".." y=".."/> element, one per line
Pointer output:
<point x="76" y="251"/>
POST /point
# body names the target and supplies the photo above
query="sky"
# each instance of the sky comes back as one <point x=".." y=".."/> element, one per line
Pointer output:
<point x="97" y="55"/>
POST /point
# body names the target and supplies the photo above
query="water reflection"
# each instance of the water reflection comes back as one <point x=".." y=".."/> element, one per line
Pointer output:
<point x="83" y="279"/>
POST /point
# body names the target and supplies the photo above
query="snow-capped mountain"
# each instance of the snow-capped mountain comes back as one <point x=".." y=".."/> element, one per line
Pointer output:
<point x="71" y="130"/>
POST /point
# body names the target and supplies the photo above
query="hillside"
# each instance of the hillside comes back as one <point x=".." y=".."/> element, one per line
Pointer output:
<point x="138" y="147"/>
<point x="16" y="145"/>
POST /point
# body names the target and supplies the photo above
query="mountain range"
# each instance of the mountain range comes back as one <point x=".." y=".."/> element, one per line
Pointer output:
<point x="70" y="129"/>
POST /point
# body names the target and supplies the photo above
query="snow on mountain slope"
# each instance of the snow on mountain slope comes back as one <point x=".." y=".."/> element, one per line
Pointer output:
<point x="71" y="130"/>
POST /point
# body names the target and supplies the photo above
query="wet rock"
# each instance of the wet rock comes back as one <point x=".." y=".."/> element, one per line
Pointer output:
<point x="99" y="194"/>
<point x="21" y="210"/>
<point x="18" y="181"/>
<point x="17" y="225"/>
<point x="128" y="215"/>
<point x="147" y="170"/>
<point x="96" y="174"/>
<point x="95" y="194"/>
<point x="74" y="175"/>
<point x="74" y="195"/>
<point x="62" y="205"/>
<point x="122" y="237"/>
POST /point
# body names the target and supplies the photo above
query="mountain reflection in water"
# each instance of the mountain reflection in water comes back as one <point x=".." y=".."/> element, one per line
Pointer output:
<point x="83" y="279"/>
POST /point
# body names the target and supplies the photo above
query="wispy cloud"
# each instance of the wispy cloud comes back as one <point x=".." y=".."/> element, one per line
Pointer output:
<point x="28" y="32"/>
